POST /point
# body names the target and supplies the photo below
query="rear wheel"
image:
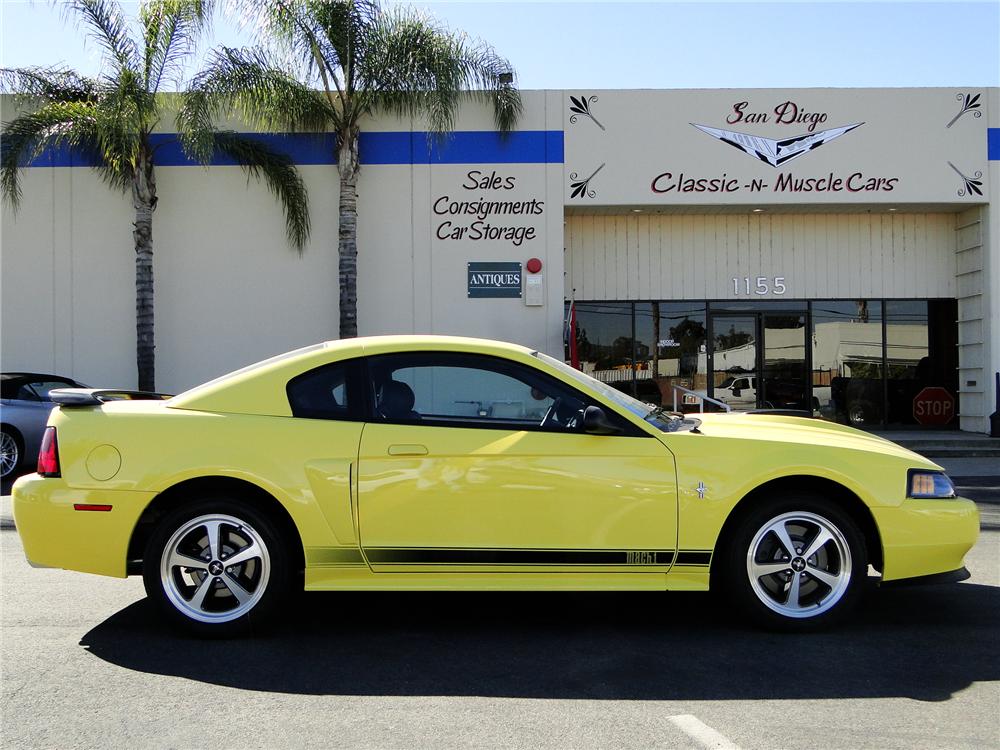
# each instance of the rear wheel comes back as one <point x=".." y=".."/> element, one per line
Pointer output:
<point x="861" y="414"/>
<point x="797" y="562"/>
<point x="10" y="453"/>
<point x="216" y="567"/>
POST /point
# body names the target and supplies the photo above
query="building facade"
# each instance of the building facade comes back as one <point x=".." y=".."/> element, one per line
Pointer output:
<point x="828" y="250"/>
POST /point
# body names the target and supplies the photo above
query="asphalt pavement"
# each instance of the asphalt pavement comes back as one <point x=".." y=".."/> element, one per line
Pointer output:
<point x="88" y="663"/>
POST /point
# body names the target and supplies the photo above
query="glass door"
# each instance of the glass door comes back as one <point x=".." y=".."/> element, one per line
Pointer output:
<point x="760" y="361"/>
<point x="784" y="370"/>
<point x="734" y="360"/>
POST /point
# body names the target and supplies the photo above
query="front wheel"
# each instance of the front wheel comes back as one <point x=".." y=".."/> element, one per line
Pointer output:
<point x="797" y="563"/>
<point x="216" y="568"/>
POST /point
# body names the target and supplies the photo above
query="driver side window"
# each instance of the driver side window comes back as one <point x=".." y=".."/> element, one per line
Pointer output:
<point x="471" y="391"/>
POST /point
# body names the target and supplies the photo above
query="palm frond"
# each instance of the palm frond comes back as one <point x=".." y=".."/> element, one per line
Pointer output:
<point x="486" y="73"/>
<point x="127" y="106"/>
<point x="51" y="83"/>
<point x="171" y="29"/>
<point x="110" y="29"/>
<point x="250" y="82"/>
<point x="342" y="25"/>
<point x="312" y="34"/>
<point x="55" y="125"/>
<point x="414" y="66"/>
<point x="280" y="175"/>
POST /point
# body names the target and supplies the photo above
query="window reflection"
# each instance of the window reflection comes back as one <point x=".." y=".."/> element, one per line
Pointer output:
<point x="604" y="342"/>
<point x="870" y="359"/>
<point x="921" y="352"/>
<point x="847" y="361"/>
<point x="671" y="337"/>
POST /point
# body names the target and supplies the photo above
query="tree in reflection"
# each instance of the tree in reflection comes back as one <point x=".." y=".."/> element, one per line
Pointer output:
<point x="732" y="340"/>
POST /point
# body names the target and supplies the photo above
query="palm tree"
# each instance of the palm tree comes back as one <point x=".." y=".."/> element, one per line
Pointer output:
<point x="363" y="60"/>
<point x="112" y="118"/>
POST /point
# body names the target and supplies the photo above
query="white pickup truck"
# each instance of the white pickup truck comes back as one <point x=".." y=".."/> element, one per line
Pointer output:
<point x="738" y="391"/>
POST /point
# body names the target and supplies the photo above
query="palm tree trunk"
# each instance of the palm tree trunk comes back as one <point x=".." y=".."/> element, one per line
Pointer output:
<point x="347" y="163"/>
<point x="144" y="202"/>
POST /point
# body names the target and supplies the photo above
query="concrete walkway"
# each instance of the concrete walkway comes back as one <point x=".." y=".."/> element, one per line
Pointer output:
<point x="903" y="436"/>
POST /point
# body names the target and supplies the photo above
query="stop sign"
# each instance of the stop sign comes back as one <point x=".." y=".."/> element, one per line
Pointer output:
<point x="933" y="406"/>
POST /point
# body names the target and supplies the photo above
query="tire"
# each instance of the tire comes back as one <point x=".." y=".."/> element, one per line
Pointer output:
<point x="208" y="597"/>
<point x="862" y="414"/>
<point x="10" y="453"/>
<point x="793" y="591"/>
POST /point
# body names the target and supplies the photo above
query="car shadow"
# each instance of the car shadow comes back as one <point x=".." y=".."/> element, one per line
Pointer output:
<point x="922" y="643"/>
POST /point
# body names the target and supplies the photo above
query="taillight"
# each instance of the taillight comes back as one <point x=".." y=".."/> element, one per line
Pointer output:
<point x="48" y="455"/>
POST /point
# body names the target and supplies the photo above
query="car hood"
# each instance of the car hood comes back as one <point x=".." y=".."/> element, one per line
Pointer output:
<point x="802" y="430"/>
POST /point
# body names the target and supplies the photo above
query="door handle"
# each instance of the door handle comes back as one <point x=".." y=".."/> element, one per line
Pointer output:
<point x="407" y="449"/>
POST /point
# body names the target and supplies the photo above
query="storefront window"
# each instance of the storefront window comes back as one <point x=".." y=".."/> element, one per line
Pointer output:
<point x="921" y="354"/>
<point x="671" y="337"/>
<point x="604" y="342"/>
<point x="847" y="361"/>
<point x="867" y="363"/>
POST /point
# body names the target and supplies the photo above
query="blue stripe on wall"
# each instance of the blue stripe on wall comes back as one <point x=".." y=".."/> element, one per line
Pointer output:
<point x="304" y="148"/>
<point x="993" y="144"/>
<point x="462" y="147"/>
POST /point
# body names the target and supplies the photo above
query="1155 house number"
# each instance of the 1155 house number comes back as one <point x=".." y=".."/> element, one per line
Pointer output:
<point x="760" y="285"/>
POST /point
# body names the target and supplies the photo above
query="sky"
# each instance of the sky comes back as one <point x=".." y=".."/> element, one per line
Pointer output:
<point x="574" y="45"/>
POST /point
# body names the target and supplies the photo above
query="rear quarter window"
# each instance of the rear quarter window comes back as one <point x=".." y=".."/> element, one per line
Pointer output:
<point x="323" y="393"/>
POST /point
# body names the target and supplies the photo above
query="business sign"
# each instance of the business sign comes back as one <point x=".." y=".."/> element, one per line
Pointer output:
<point x="494" y="280"/>
<point x="761" y="147"/>
<point x="487" y="208"/>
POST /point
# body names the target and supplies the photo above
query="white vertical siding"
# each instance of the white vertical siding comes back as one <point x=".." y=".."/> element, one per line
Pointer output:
<point x="973" y="379"/>
<point x="689" y="256"/>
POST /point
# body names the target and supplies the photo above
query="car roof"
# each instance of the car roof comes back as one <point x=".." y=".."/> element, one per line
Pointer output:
<point x="33" y="376"/>
<point x="252" y="389"/>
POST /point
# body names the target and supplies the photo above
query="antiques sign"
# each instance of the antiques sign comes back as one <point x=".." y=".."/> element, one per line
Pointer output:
<point x="494" y="280"/>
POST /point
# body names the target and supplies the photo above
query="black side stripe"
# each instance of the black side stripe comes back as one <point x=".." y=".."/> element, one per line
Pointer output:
<point x="626" y="558"/>
<point x="693" y="557"/>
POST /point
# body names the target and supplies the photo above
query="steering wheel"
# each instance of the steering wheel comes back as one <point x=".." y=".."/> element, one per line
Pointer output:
<point x="550" y="415"/>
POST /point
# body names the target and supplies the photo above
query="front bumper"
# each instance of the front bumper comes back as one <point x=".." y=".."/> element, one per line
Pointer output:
<point x="55" y="535"/>
<point x="926" y="537"/>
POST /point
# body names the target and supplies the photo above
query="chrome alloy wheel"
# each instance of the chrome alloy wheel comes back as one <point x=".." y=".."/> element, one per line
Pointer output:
<point x="799" y="564"/>
<point x="215" y="568"/>
<point x="9" y="454"/>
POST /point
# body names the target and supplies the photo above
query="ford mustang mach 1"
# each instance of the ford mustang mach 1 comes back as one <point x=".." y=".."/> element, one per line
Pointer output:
<point x="423" y="462"/>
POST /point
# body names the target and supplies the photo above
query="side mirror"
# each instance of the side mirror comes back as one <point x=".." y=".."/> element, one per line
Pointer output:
<point x="595" y="422"/>
<point x="736" y="391"/>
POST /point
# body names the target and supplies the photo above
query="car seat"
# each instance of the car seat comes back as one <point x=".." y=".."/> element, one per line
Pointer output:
<point x="397" y="401"/>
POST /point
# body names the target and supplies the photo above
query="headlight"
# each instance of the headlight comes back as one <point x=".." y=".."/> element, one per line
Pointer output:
<point x="929" y="484"/>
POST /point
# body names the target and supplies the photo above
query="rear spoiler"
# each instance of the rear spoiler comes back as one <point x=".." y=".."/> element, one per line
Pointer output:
<point x="98" y="396"/>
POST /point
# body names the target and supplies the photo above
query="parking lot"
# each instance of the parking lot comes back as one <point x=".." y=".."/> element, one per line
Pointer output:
<point x="87" y="664"/>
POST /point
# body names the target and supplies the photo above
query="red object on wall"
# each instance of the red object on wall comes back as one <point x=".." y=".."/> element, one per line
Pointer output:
<point x="933" y="406"/>
<point x="534" y="265"/>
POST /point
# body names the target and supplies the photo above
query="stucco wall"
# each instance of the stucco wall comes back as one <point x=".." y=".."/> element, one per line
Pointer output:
<point x="231" y="291"/>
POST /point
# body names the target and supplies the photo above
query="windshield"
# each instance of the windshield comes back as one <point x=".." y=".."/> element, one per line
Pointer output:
<point x="655" y="415"/>
<point x="637" y="407"/>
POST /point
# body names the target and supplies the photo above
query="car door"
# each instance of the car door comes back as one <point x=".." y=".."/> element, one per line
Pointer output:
<point x="478" y="463"/>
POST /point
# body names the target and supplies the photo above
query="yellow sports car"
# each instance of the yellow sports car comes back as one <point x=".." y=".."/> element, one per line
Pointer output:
<point x="427" y="462"/>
